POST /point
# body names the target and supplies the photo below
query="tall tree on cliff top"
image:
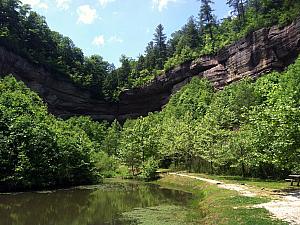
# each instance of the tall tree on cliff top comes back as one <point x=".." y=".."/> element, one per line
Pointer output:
<point x="191" y="33"/>
<point x="160" y="45"/>
<point x="150" y="56"/>
<point x="207" y="18"/>
<point x="255" y="4"/>
<point x="238" y="8"/>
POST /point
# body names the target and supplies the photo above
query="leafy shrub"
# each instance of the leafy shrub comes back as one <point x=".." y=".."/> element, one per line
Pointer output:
<point x="185" y="55"/>
<point x="123" y="172"/>
<point x="105" y="164"/>
<point x="149" y="171"/>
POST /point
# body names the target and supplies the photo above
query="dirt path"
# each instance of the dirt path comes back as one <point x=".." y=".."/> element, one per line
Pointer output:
<point x="287" y="208"/>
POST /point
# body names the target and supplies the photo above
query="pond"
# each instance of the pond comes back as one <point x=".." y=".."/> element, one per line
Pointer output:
<point x="111" y="203"/>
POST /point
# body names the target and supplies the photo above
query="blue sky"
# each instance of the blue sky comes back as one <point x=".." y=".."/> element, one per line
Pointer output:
<point x="114" y="27"/>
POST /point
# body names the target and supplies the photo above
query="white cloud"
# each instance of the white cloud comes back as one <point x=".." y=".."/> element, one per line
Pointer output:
<point x="99" y="41"/>
<point x="36" y="3"/>
<point x="87" y="15"/>
<point x="43" y="5"/>
<point x="103" y="3"/>
<point x="30" y="2"/>
<point x="63" y="4"/>
<point x="161" y="4"/>
<point x="115" y="39"/>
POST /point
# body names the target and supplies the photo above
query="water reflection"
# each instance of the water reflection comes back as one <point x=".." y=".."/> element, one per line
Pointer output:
<point x="100" y="205"/>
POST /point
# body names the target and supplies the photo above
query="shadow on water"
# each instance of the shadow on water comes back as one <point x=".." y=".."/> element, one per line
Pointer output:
<point x="91" y="205"/>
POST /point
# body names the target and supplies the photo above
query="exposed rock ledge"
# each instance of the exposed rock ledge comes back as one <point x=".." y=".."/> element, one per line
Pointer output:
<point x="260" y="52"/>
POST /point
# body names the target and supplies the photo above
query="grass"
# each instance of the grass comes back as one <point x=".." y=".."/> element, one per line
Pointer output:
<point x="212" y="205"/>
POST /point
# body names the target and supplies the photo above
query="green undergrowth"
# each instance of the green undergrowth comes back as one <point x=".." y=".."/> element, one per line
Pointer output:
<point x="163" y="214"/>
<point x="213" y="205"/>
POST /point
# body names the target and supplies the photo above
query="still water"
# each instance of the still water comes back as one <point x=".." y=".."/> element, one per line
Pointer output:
<point x="91" y="205"/>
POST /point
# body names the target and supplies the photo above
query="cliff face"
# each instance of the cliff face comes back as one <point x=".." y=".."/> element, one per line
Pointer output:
<point x="260" y="52"/>
<point x="63" y="98"/>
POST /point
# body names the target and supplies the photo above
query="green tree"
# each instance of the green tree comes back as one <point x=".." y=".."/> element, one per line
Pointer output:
<point x="124" y="71"/>
<point x="194" y="99"/>
<point x="160" y="46"/>
<point x="189" y="36"/>
<point x="95" y="72"/>
<point x="111" y="143"/>
<point x="207" y="18"/>
<point x="150" y="58"/>
<point x="130" y="150"/>
<point x="96" y="131"/>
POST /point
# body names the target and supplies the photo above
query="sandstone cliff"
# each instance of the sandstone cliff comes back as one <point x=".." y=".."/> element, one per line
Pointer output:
<point x="260" y="52"/>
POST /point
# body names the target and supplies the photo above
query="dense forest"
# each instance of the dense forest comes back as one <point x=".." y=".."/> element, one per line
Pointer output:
<point x="23" y="31"/>
<point x="249" y="128"/>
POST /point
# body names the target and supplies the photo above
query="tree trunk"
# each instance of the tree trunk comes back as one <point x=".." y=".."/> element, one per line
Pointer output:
<point x="243" y="169"/>
<point x="243" y="164"/>
<point x="132" y="170"/>
<point x="212" y="37"/>
<point x="242" y="10"/>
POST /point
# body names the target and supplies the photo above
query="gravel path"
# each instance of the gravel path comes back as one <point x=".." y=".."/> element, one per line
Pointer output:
<point x="243" y="190"/>
<point x="287" y="208"/>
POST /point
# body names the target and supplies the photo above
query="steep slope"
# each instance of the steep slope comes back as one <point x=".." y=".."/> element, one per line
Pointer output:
<point x="260" y="52"/>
